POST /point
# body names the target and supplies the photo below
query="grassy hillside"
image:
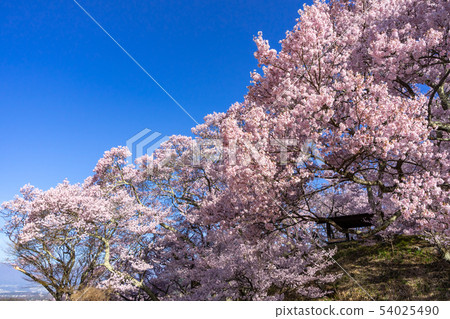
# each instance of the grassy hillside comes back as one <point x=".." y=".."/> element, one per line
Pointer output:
<point x="407" y="268"/>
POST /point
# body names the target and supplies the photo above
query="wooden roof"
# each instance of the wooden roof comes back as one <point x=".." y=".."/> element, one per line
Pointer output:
<point x="351" y="221"/>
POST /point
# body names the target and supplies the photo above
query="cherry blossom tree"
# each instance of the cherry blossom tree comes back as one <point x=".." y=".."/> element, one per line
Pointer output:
<point x="350" y="116"/>
<point x="74" y="236"/>
<point x="366" y="83"/>
<point x="221" y="255"/>
<point x="48" y="246"/>
<point x="145" y="235"/>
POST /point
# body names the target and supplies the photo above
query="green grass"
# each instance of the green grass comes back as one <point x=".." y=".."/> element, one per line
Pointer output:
<point x="406" y="268"/>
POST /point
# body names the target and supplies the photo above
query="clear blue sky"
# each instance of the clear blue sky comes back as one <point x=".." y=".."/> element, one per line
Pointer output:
<point x="68" y="93"/>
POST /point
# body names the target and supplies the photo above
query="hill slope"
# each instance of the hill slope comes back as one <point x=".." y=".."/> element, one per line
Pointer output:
<point x="407" y="268"/>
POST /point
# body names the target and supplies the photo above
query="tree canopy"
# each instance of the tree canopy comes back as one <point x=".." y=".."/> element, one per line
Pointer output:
<point x="351" y="116"/>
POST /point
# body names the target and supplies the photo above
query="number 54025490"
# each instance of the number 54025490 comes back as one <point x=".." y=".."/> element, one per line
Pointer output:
<point x="409" y="310"/>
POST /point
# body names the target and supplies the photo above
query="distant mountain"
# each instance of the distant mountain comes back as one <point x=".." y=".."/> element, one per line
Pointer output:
<point x="13" y="286"/>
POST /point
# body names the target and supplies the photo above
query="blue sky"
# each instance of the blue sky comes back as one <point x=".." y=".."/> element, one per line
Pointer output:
<point x="68" y="93"/>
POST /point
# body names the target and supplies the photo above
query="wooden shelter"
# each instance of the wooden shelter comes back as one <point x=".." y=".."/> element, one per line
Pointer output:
<point x="346" y="222"/>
